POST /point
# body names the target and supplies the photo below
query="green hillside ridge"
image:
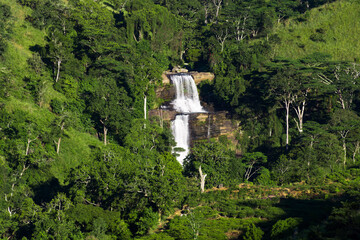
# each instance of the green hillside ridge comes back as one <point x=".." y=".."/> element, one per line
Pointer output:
<point x="332" y="28"/>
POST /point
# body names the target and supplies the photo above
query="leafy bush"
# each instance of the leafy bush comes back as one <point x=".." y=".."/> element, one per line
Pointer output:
<point x="264" y="177"/>
<point x="283" y="228"/>
<point x="253" y="233"/>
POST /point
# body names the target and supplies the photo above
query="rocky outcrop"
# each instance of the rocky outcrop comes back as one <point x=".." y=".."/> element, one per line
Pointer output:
<point x="204" y="126"/>
<point x="178" y="69"/>
<point x="211" y="125"/>
<point x="165" y="78"/>
<point x="162" y="114"/>
<point x="202" y="76"/>
<point x="166" y="93"/>
<point x="198" y="76"/>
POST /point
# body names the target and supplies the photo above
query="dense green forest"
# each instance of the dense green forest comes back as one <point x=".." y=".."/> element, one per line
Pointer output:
<point x="80" y="160"/>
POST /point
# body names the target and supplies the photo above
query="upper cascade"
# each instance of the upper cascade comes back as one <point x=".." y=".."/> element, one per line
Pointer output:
<point x="187" y="97"/>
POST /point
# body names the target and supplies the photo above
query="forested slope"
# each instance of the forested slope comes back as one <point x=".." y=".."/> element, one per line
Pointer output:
<point x="79" y="159"/>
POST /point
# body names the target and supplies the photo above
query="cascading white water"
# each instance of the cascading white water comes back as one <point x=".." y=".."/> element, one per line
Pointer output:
<point x="180" y="130"/>
<point x="186" y="101"/>
<point x="187" y="97"/>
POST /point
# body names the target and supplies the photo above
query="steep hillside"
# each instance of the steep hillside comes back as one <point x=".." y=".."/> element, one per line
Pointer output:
<point x="332" y="28"/>
<point x="23" y="80"/>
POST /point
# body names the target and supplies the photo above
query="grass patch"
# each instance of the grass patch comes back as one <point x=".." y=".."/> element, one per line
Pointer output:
<point x="75" y="149"/>
<point x="332" y="28"/>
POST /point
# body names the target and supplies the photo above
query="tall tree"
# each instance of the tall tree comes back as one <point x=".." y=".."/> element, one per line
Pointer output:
<point x="343" y="122"/>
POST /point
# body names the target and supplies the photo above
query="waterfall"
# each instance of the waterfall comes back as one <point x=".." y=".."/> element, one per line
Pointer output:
<point x="187" y="97"/>
<point x="186" y="102"/>
<point x="180" y="130"/>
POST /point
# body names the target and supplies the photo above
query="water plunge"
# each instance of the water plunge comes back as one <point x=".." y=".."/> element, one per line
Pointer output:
<point x="186" y="102"/>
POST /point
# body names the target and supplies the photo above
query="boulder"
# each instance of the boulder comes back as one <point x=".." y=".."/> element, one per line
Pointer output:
<point x="178" y="69"/>
<point x="165" y="78"/>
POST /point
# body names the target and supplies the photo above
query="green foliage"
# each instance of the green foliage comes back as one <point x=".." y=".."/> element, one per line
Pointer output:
<point x="5" y="19"/>
<point x="324" y="29"/>
<point x="284" y="227"/>
<point x="219" y="164"/>
<point x="75" y="72"/>
<point x="252" y="232"/>
<point x="264" y="177"/>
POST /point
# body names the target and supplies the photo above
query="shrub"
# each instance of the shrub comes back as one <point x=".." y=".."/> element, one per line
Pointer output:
<point x="284" y="228"/>
<point x="253" y="233"/>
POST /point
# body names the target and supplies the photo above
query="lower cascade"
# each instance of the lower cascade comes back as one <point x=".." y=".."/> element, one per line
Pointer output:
<point x="180" y="130"/>
<point x="186" y="102"/>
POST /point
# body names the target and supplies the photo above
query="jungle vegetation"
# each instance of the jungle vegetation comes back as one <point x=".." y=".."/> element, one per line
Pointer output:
<point x="79" y="160"/>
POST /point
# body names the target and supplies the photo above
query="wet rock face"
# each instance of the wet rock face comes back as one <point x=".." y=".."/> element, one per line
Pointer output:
<point x="166" y="93"/>
<point x="211" y="125"/>
<point x="164" y="114"/>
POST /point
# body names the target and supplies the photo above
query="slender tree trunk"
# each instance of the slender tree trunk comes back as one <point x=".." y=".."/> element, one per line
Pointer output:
<point x="217" y="4"/>
<point x="105" y="134"/>
<point x="343" y="135"/>
<point x="287" y="108"/>
<point x="58" y="70"/>
<point x="202" y="180"/>
<point x="27" y="147"/>
<point x="58" y="145"/>
<point x="344" y="148"/>
<point x="209" y="128"/>
<point x="145" y="106"/>
<point x="161" y="119"/>
<point x="341" y="99"/>
<point x="222" y="38"/>
<point x="105" y="130"/>
<point x="357" y="147"/>
<point x="206" y="15"/>
<point x="300" y="109"/>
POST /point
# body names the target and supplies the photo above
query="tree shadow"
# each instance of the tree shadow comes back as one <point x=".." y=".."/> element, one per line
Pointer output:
<point x="311" y="212"/>
<point x="46" y="191"/>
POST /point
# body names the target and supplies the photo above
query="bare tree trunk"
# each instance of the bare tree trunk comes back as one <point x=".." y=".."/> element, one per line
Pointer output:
<point x="181" y="55"/>
<point x="145" y="106"/>
<point x="161" y="119"/>
<point x="344" y="148"/>
<point x="28" y="145"/>
<point x="206" y="9"/>
<point x="217" y="4"/>
<point x="105" y="134"/>
<point x="222" y="38"/>
<point x="209" y="128"/>
<point x="58" y="146"/>
<point x="357" y="147"/>
<point x="341" y="99"/>
<point x="287" y="107"/>
<point x="105" y="130"/>
<point x="343" y="135"/>
<point x="300" y="109"/>
<point x="59" y="140"/>
<point x="202" y="180"/>
<point x="58" y="70"/>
